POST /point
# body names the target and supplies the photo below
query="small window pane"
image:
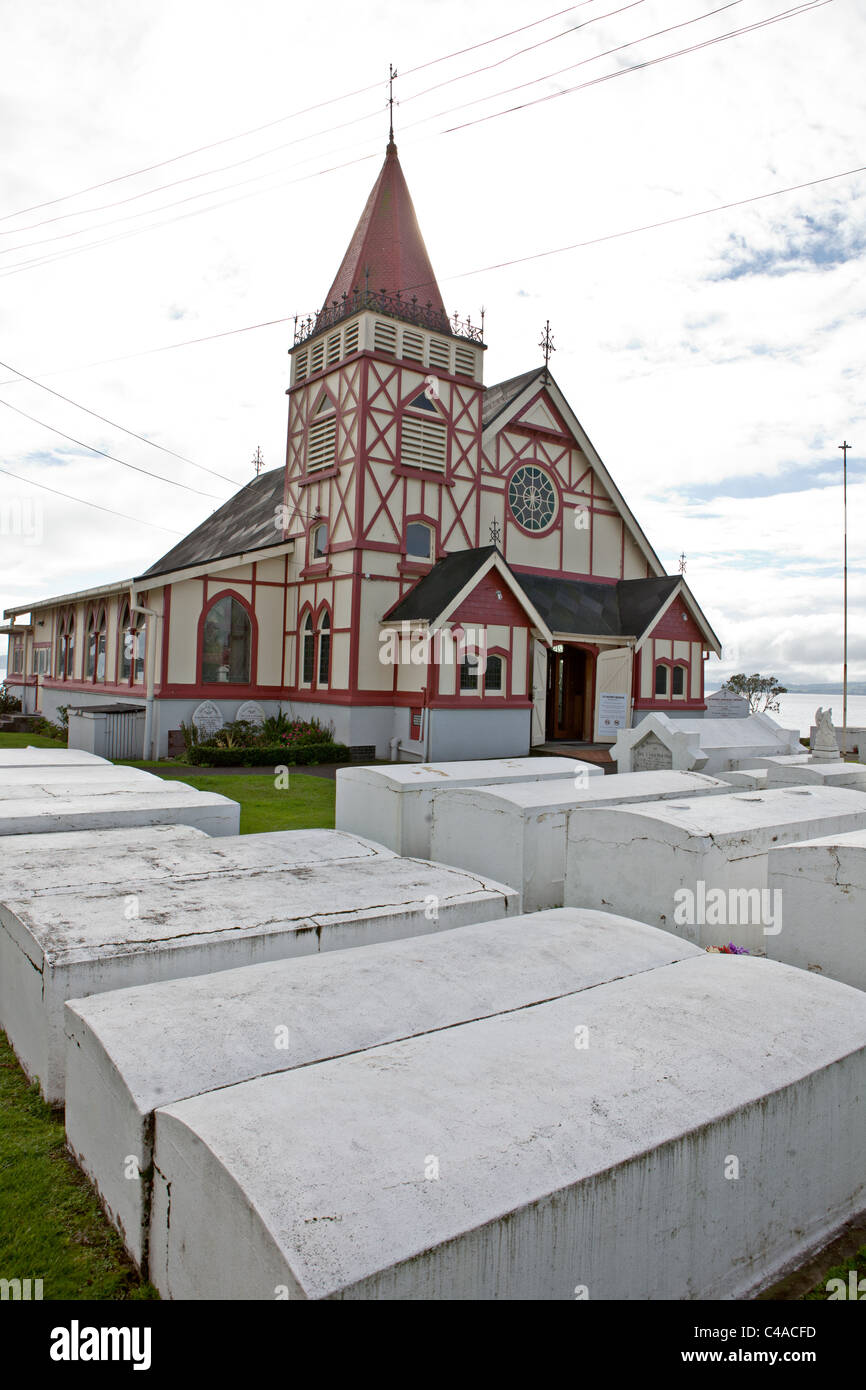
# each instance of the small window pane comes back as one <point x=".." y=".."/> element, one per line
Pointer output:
<point x="325" y="651"/>
<point x="493" y="678"/>
<point x="309" y="652"/>
<point x="320" y="541"/>
<point x="679" y="680"/>
<point x="419" y="540"/>
<point x="469" y="673"/>
<point x="661" y="680"/>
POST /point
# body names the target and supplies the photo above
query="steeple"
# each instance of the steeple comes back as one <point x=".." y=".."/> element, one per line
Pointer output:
<point x="387" y="251"/>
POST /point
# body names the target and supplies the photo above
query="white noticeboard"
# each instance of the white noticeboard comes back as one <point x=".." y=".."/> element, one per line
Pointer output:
<point x="612" y="712"/>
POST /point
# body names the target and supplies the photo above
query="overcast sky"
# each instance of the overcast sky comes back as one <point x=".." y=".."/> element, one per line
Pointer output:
<point x="716" y="363"/>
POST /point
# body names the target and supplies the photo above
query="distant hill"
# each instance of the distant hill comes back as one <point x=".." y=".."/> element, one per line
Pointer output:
<point x="854" y="688"/>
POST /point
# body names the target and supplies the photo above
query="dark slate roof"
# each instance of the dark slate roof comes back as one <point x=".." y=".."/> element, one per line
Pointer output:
<point x="497" y="398"/>
<point x="245" y="522"/>
<point x="624" y="609"/>
<point x="426" y="600"/>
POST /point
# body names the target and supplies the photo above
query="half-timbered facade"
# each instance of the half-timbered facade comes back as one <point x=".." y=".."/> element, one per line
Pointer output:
<point x="440" y="570"/>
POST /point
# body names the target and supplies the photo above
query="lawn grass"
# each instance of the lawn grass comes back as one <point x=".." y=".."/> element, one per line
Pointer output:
<point x="29" y="741"/>
<point x="53" y="1228"/>
<point x="307" y="801"/>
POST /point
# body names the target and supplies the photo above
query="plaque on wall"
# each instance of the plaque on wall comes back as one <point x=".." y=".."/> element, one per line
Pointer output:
<point x="612" y="712"/>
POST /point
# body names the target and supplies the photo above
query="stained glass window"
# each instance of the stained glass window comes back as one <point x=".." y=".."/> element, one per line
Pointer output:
<point x="532" y="498"/>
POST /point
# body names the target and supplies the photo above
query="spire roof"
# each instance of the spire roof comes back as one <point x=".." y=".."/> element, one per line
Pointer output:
<point x="387" y="251"/>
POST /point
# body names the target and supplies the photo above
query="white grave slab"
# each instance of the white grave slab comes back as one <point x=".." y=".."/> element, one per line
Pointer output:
<point x="252" y="712"/>
<point x="701" y="745"/>
<point x="174" y="803"/>
<point x="393" y="805"/>
<point x="521" y="827"/>
<point x="726" y="704"/>
<point x="780" y="773"/>
<point x="751" y="780"/>
<point x="49" y="757"/>
<point x="133" y="1050"/>
<point x="65" y="946"/>
<point x="497" y="1160"/>
<point x="822" y="884"/>
<point x="34" y="865"/>
<point x="24" y="783"/>
<point x="208" y="718"/>
<point x="661" y="861"/>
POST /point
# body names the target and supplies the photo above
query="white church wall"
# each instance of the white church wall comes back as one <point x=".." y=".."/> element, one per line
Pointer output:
<point x="269" y="617"/>
<point x="187" y="598"/>
<point x="606" y="545"/>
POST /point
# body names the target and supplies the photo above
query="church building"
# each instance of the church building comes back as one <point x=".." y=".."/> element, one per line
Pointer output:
<point x="441" y="570"/>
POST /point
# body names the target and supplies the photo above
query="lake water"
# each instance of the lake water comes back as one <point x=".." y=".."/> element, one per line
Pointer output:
<point x="798" y="711"/>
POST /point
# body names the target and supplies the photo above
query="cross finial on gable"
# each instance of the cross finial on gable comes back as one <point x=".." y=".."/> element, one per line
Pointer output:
<point x="683" y="563"/>
<point x="495" y="533"/>
<point x="546" y="345"/>
<point x="257" y="460"/>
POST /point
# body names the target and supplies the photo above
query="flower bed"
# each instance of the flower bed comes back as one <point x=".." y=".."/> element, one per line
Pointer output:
<point x="279" y="741"/>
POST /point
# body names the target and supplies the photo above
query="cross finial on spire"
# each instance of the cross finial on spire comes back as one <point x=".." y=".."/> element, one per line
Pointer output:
<point x="546" y="345"/>
<point x="392" y="73"/>
<point x="683" y="562"/>
<point x="257" y="461"/>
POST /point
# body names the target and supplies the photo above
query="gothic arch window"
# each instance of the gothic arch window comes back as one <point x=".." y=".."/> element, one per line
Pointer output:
<point x="494" y="676"/>
<point x="226" y="643"/>
<point x="94" y="653"/>
<point x="319" y="541"/>
<point x="308" y="655"/>
<point x="325" y="649"/>
<point x="661" y="681"/>
<point x="130" y="644"/>
<point x="678" y="681"/>
<point x="66" y="647"/>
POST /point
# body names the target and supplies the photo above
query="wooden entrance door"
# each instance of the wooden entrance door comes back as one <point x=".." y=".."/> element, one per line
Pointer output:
<point x="566" y="693"/>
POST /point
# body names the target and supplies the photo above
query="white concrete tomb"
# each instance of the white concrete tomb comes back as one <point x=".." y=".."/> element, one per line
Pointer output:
<point x="703" y="745"/>
<point x="501" y="1159"/>
<point x="133" y="1050"/>
<point x="393" y="804"/>
<point x="520" y="827"/>
<point x="822" y="884"/>
<point x="698" y="867"/>
<point x="92" y="808"/>
<point x="49" y="757"/>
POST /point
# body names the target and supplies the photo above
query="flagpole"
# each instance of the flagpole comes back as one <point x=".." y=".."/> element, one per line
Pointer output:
<point x="845" y="446"/>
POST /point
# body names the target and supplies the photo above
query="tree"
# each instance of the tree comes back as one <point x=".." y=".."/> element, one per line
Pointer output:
<point x="762" y="692"/>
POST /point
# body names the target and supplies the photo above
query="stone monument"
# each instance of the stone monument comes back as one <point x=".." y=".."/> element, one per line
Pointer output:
<point x="824" y="745"/>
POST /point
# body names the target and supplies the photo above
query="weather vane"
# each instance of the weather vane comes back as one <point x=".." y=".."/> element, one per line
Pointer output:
<point x="392" y="73"/>
<point x="257" y="461"/>
<point x="495" y="533"/>
<point x="546" y="345"/>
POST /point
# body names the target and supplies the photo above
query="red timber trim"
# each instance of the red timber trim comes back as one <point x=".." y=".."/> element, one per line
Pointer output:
<point x="102" y="687"/>
<point x="285" y="617"/>
<point x="207" y="605"/>
<point x="669" y="706"/>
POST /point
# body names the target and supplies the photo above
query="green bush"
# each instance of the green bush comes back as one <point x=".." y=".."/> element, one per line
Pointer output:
<point x="8" y="703"/>
<point x="263" y="755"/>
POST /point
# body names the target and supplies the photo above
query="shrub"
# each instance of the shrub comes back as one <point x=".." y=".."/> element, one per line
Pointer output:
<point x="8" y="702"/>
<point x="267" y="755"/>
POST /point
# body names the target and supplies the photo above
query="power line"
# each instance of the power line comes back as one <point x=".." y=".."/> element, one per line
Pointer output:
<point x="84" y="503"/>
<point x="50" y="258"/>
<point x="648" y="63"/>
<point x="303" y="111"/>
<point x="135" y="468"/>
<point x="480" y="270"/>
<point x="105" y="420"/>
<point x="651" y="226"/>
